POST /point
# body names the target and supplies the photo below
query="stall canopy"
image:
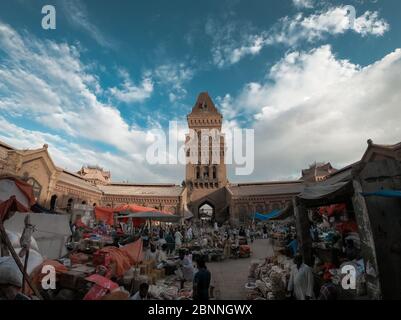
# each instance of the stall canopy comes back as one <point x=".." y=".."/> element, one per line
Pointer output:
<point x="7" y="208"/>
<point x="153" y="215"/>
<point x="265" y="217"/>
<point x="104" y="214"/>
<point x="13" y="187"/>
<point x="144" y="213"/>
<point x="132" y="208"/>
<point x="325" y="194"/>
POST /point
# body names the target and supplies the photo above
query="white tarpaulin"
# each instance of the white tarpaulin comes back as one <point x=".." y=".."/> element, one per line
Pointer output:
<point x="51" y="231"/>
<point x="8" y="188"/>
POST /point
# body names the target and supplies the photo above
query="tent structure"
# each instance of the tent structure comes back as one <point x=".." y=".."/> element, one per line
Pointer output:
<point x="140" y="213"/>
<point x="132" y="208"/>
<point x="265" y="217"/>
<point x="20" y="190"/>
<point x="104" y="214"/>
<point x="153" y="215"/>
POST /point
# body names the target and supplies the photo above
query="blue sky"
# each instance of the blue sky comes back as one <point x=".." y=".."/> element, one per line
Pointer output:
<point x="313" y="88"/>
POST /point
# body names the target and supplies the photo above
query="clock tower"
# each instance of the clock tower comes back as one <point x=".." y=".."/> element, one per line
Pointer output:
<point x="206" y="175"/>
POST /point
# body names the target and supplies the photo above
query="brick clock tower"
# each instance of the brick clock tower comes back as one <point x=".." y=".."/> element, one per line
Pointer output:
<point x="206" y="175"/>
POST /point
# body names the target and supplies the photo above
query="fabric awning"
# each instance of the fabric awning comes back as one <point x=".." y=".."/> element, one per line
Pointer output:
<point x="9" y="207"/>
<point x="104" y="214"/>
<point x="383" y="193"/>
<point x="265" y="217"/>
<point x="152" y="215"/>
<point x="321" y="191"/>
<point x="22" y="191"/>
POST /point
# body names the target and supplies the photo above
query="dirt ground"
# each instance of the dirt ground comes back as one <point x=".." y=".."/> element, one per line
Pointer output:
<point x="230" y="276"/>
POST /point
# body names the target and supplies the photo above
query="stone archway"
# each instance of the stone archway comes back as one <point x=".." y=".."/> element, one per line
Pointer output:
<point x="206" y="211"/>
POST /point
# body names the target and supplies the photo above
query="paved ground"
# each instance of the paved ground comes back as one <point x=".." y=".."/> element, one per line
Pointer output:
<point x="230" y="276"/>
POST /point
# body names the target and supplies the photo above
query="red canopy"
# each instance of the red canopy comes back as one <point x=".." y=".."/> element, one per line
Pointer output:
<point x="104" y="214"/>
<point x="11" y="185"/>
<point x="8" y="207"/>
<point x="133" y="208"/>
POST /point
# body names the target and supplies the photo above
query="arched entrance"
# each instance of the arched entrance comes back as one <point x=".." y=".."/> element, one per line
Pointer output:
<point x="206" y="212"/>
<point x="70" y="203"/>
<point x="53" y="202"/>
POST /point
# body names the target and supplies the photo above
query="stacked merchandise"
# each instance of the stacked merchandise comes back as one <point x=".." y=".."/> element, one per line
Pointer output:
<point x="281" y="232"/>
<point x="335" y="243"/>
<point x="268" y="279"/>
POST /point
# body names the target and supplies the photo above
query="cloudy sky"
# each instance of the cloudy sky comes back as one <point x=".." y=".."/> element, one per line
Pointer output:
<point x="313" y="82"/>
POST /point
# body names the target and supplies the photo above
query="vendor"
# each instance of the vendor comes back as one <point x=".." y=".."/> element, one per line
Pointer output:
<point x="185" y="269"/>
<point x="151" y="253"/>
<point x="143" y="292"/>
<point x="10" y="280"/>
<point x="162" y="254"/>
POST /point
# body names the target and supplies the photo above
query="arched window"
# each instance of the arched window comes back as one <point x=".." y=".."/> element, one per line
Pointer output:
<point x="37" y="188"/>
<point x="214" y="172"/>
<point x="206" y="173"/>
<point x="197" y="173"/>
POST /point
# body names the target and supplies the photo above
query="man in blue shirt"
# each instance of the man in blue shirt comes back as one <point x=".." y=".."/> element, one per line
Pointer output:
<point x="201" y="282"/>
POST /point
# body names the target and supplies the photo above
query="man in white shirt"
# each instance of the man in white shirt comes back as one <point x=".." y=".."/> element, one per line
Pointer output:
<point x="301" y="280"/>
<point x="185" y="268"/>
<point x="178" y="240"/>
<point x="189" y="233"/>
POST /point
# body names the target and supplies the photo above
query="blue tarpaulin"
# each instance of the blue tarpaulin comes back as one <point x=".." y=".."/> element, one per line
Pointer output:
<point x="264" y="217"/>
<point x="383" y="193"/>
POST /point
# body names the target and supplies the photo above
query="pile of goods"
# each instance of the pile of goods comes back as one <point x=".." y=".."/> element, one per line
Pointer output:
<point x="267" y="280"/>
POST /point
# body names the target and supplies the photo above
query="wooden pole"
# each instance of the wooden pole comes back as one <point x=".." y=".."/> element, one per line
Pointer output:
<point x="7" y="241"/>
<point x="25" y="273"/>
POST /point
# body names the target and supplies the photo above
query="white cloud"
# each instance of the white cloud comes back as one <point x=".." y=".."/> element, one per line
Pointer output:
<point x="47" y="81"/>
<point x="303" y="3"/>
<point x="229" y="45"/>
<point x="314" y="106"/>
<point x="129" y="92"/>
<point x="232" y="42"/>
<point x="334" y="21"/>
<point x="173" y="76"/>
